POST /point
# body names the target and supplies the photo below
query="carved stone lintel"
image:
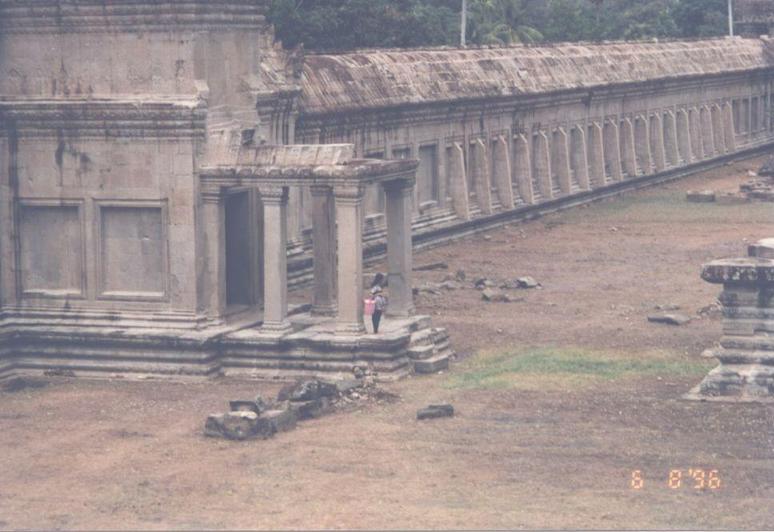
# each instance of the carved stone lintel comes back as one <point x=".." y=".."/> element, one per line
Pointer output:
<point x="274" y="194"/>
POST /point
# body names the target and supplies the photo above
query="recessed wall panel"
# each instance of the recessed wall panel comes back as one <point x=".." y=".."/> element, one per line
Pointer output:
<point x="132" y="251"/>
<point x="51" y="250"/>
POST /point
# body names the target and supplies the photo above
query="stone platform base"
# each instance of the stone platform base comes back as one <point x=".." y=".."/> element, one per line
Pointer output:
<point x="736" y="383"/>
<point x="311" y="349"/>
<point x="746" y="352"/>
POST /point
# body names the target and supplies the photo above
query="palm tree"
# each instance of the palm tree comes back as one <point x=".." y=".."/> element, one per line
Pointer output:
<point x="499" y="22"/>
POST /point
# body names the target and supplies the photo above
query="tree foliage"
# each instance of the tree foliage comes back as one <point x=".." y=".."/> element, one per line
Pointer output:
<point x="351" y="24"/>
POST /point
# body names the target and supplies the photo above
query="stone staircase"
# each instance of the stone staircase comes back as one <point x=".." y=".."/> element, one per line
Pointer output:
<point x="429" y="349"/>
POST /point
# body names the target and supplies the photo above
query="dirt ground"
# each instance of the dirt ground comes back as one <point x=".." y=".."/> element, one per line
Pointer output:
<point x="560" y="397"/>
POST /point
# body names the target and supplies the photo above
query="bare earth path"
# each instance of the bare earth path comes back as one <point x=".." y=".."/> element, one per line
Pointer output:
<point x="560" y="397"/>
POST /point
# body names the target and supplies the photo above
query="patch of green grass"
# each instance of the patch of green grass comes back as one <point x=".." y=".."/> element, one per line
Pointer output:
<point x="506" y="369"/>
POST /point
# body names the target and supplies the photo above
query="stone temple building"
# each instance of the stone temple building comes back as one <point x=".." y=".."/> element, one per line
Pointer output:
<point x="167" y="171"/>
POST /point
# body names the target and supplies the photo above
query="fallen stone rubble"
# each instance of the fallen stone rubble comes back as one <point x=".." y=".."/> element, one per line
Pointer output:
<point x="491" y="289"/>
<point x="760" y="187"/>
<point x="298" y="401"/>
<point x="435" y="411"/>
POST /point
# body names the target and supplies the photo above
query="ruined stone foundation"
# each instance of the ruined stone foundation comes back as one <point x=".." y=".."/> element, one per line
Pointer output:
<point x="746" y="352"/>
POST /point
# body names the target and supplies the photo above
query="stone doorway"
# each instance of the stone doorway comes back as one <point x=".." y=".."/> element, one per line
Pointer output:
<point x="244" y="250"/>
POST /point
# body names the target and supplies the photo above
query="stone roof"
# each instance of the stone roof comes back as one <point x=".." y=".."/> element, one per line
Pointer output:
<point x="388" y="78"/>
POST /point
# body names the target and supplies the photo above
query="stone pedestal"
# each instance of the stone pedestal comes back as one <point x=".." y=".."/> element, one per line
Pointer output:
<point x="746" y="352"/>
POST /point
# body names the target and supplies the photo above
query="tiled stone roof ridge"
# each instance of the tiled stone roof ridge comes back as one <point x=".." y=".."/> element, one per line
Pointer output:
<point x="388" y="78"/>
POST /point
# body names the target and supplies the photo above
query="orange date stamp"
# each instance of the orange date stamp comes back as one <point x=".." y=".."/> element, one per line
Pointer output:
<point x="692" y="478"/>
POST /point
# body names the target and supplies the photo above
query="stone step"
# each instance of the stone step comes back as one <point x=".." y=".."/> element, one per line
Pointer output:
<point x="422" y="323"/>
<point x="433" y="364"/>
<point x="421" y="352"/>
<point x="423" y="337"/>
<point x="440" y="334"/>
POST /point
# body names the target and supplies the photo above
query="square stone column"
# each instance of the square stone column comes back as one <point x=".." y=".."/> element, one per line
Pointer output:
<point x="399" y="248"/>
<point x="213" y="281"/>
<point x="349" y="242"/>
<point x="324" y="242"/>
<point x="275" y="259"/>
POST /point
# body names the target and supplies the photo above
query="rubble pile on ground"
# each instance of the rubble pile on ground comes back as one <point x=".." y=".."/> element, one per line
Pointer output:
<point x="492" y="290"/>
<point x="760" y="187"/>
<point x="298" y="401"/>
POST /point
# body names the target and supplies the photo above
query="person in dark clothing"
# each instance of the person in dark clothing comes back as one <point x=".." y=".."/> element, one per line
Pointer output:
<point x="380" y="304"/>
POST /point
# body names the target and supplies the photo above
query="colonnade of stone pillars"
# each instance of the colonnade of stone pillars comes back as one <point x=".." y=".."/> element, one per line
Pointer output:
<point x="338" y="253"/>
<point x="559" y="161"/>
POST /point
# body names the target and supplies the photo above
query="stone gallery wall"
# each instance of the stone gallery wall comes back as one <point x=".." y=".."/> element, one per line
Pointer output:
<point x="501" y="129"/>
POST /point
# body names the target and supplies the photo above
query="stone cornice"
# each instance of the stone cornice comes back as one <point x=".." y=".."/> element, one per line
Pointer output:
<point x="104" y="118"/>
<point x="66" y="16"/>
<point x="353" y="173"/>
<point x="739" y="271"/>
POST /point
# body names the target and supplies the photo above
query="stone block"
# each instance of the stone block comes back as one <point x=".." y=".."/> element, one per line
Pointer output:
<point x="281" y="420"/>
<point x="432" y="364"/>
<point x="435" y="411"/>
<point x="310" y="409"/>
<point x="669" y="318"/>
<point x="307" y="390"/>
<point x="703" y="196"/>
<point x="495" y="296"/>
<point x="232" y="425"/>
<point x="258" y="406"/>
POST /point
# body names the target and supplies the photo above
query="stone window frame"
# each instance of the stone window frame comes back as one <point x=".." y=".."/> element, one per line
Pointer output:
<point x="101" y="293"/>
<point x="79" y="204"/>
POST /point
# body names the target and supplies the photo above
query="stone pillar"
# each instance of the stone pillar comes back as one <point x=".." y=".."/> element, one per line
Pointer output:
<point x="697" y="145"/>
<point x="719" y="139"/>
<point x="275" y="259"/>
<point x="458" y="182"/>
<point x="728" y="127"/>
<point x="561" y="163"/>
<point x="628" y="155"/>
<point x="324" y="242"/>
<point x="523" y="169"/>
<point x="213" y="283"/>
<point x="399" y="247"/>
<point x="579" y="160"/>
<point x="542" y="162"/>
<point x="642" y="151"/>
<point x="684" y="144"/>
<point x="481" y="179"/>
<point x="658" y="150"/>
<point x="612" y="138"/>
<point x="349" y="243"/>
<point x="746" y="352"/>
<point x="502" y="172"/>
<point x="670" y="139"/>
<point x="707" y="136"/>
<point x="596" y="156"/>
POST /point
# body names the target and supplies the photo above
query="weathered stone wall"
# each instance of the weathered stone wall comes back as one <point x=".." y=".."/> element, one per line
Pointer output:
<point x="502" y="129"/>
<point x="107" y="111"/>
